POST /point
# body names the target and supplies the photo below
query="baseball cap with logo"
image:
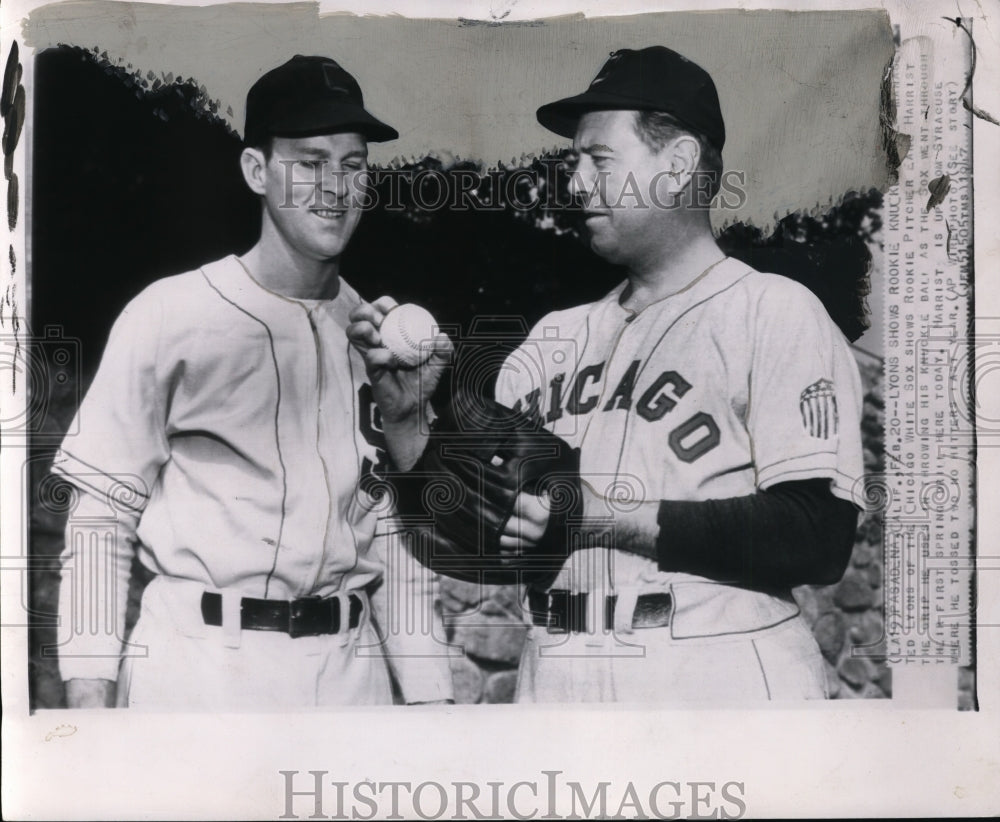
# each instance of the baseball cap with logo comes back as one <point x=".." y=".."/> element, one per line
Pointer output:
<point x="649" y="79"/>
<point x="308" y="96"/>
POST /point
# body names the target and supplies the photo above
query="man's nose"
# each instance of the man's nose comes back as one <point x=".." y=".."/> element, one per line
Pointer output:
<point x="334" y="185"/>
<point x="583" y="187"/>
<point x="334" y="180"/>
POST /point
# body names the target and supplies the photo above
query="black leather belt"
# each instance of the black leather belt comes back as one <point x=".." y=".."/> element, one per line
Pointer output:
<point x="309" y="616"/>
<point x="562" y="612"/>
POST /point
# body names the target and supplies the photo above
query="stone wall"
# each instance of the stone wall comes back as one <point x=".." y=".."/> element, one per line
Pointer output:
<point x="484" y="620"/>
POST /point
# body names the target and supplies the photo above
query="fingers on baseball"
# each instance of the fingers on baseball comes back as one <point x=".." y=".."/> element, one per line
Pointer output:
<point x="381" y="359"/>
<point x="363" y="334"/>
<point x="383" y="305"/>
<point x="442" y="348"/>
<point x="364" y="312"/>
<point x="373" y="312"/>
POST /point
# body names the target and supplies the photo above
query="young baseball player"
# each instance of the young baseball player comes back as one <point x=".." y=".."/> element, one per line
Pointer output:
<point x="229" y="436"/>
<point x="717" y="413"/>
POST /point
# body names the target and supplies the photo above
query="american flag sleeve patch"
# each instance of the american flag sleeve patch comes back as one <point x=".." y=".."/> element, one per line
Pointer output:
<point x="818" y="407"/>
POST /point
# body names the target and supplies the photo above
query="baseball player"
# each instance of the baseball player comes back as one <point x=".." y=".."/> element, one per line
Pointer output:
<point x="717" y="413"/>
<point x="230" y="435"/>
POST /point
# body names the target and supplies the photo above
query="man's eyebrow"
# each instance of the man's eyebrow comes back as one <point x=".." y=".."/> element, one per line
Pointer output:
<point x="597" y="148"/>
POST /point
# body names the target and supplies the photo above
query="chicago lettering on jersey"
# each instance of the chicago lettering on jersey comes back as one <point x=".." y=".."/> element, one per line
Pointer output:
<point x="694" y="435"/>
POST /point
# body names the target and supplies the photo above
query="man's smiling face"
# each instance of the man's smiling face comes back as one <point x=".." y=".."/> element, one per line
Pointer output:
<point x="313" y="191"/>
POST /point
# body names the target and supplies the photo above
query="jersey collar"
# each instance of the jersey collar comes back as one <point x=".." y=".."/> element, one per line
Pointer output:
<point x="723" y="275"/>
<point x="232" y="280"/>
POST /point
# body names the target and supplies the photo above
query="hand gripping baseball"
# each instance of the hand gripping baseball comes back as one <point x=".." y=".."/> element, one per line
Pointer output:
<point x="408" y="332"/>
<point x="404" y="367"/>
<point x="460" y="497"/>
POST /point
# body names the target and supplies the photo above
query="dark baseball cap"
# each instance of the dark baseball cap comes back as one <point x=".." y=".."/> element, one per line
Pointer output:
<point x="308" y="96"/>
<point x="650" y="79"/>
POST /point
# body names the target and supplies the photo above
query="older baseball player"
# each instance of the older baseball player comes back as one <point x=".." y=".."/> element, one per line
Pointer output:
<point x="717" y="413"/>
<point x="230" y="435"/>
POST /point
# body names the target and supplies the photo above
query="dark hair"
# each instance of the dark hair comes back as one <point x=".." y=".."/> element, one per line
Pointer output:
<point x="657" y="128"/>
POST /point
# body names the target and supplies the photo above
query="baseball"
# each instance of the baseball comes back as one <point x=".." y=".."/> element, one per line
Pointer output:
<point x="408" y="331"/>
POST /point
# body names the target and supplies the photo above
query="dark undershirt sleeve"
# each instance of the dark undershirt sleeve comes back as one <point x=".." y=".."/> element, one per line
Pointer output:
<point x="794" y="533"/>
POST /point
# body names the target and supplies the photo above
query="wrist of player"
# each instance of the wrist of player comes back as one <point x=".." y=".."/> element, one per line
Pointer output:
<point x="398" y="411"/>
<point x="631" y="526"/>
<point x="405" y="439"/>
<point x="640" y="531"/>
<point x="635" y="530"/>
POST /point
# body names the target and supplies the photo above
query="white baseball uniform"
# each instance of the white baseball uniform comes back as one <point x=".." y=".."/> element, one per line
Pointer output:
<point x="234" y="434"/>
<point x="736" y="383"/>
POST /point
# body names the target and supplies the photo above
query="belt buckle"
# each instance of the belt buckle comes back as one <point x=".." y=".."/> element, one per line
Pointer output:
<point x="303" y="615"/>
<point x="554" y="613"/>
<point x="568" y="608"/>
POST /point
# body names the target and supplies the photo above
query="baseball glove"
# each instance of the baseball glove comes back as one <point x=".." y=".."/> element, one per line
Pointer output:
<point x="461" y="493"/>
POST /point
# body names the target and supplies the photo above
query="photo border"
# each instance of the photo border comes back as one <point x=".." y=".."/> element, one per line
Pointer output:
<point x="864" y="757"/>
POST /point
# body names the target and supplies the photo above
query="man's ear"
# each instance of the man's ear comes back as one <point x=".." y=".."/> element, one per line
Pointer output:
<point x="253" y="164"/>
<point x="682" y="157"/>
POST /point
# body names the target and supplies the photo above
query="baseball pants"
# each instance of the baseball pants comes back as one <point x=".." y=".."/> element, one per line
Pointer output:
<point x="782" y="662"/>
<point x="175" y="661"/>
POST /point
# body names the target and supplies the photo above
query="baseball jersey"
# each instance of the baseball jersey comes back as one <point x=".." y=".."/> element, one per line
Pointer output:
<point x="237" y="427"/>
<point x="737" y="382"/>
